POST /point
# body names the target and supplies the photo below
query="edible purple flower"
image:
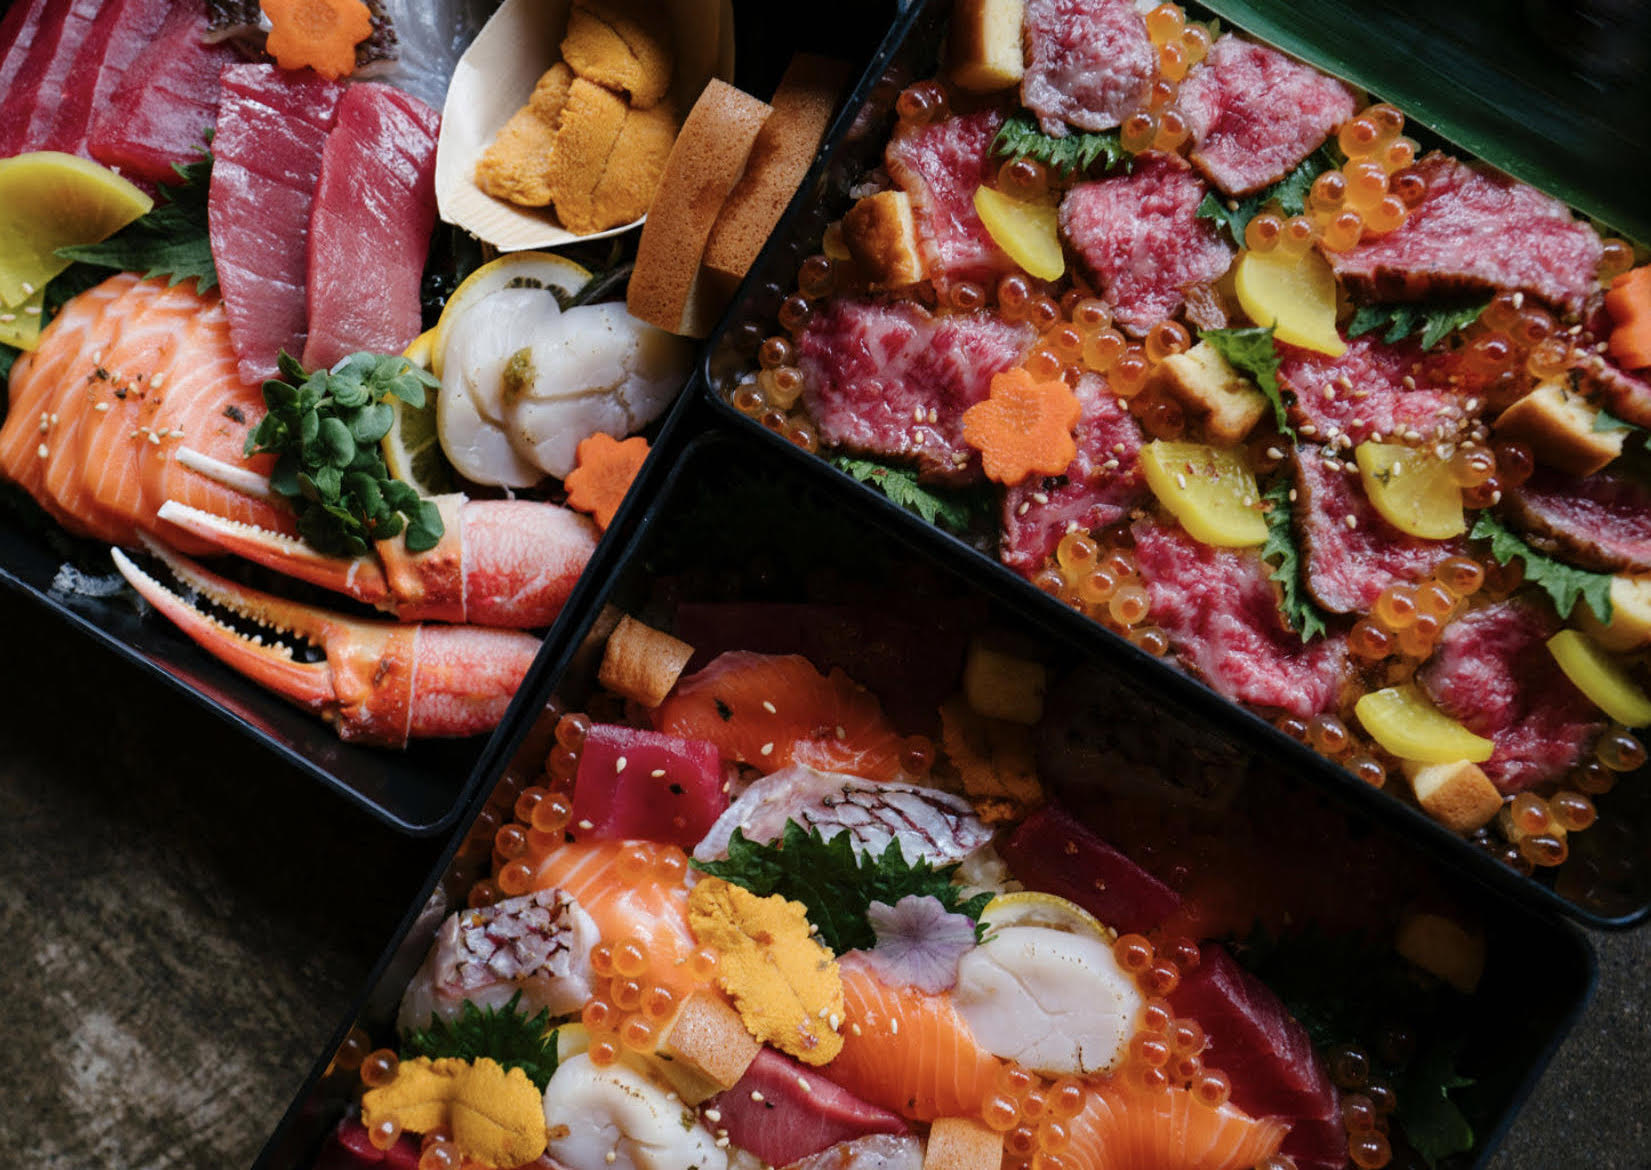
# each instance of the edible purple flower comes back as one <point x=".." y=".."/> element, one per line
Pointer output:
<point x="919" y="942"/>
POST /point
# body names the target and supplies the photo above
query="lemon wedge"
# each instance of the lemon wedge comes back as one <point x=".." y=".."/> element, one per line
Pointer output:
<point x="50" y="200"/>
<point x="412" y="448"/>
<point x="1601" y="678"/>
<point x="1406" y="723"/>
<point x="1296" y="295"/>
<point x="1028" y="231"/>
<point x="1032" y="908"/>
<point x="516" y="270"/>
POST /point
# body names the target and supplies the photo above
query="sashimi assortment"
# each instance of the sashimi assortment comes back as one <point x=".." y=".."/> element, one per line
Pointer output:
<point x="693" y="942"/>
<point x="1248" y="374"/>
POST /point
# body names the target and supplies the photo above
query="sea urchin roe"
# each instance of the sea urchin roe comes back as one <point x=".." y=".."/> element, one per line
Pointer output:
<point x="495" y="1115"/>
<point x="784" y="984"/>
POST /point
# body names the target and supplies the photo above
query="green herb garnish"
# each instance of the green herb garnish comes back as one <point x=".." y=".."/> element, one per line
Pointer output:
<point x="836" y="885"/>
<point x="1431" y="1121"/>
<point x="1283" y="553"/>
<point x="324" y="429"/>
<point x="899" y="484"/>
<point x="1433" y="320"/>
<point x="1253" y="351"/>
<point x="8" y="355"/>
<point x="172" y="240"/>
<point x="1563" y="583"/>
<point x="1065" y="157"/>
<point x="1290" y="193"/>
<point x="504" y="1034"/>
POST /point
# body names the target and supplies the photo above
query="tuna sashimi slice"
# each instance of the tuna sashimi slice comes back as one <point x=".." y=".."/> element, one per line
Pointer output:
<point x="1254" y="1039"/>
<point x="166" y="101"/>
<point x="642" y="784"/>
<point x="782" y="1111"/>
<point x="1054" y="853"/>
<point x="21" y="16"/>
<point x="39" y="111"/>
<point x="272" y="132"/>
<point x="370" y="230"/>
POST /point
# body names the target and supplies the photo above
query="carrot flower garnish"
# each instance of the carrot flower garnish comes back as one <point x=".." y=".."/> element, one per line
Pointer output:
<point x="320" y="34"/>
<point x="1630" y="304"/>
<point x="1024" y="426"/>
<point x="605" y="469"/>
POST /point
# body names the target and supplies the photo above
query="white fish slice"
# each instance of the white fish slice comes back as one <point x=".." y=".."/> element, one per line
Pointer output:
<point x="494" y="79"/>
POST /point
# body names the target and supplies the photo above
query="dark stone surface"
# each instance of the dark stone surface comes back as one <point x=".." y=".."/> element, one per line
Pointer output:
<point x="185" y="922"/>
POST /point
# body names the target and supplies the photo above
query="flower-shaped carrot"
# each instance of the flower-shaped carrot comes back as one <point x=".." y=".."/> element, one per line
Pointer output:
<point x="320" y="34"/>
<point x="1024" y="426"/>
<point x="605" y="469"/>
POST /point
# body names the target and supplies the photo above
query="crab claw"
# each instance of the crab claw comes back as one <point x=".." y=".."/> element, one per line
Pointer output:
<point x="380" y="682"/>
<point x="499" y="563"/>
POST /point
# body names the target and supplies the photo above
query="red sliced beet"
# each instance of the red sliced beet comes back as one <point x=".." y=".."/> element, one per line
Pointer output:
<point x="1267" y="1054"/>
<point x="1054" y="853"/>
<point x="790" y="1121"/>
<point x="646" y="784"/>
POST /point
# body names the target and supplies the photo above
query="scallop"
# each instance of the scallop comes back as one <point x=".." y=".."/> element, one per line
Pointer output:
<point x="477" y="349"/>
<point x="614" y="1118"/>
<point x="1056" y="1002"/>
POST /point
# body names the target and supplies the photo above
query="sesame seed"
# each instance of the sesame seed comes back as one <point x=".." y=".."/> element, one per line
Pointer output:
<point x="658" y="773"/>
<point x="802" y="1083"/>
<point x="934" y="415"/>
<point x="1180" y="481"/>
<point x="610" y="1157"/>
<point x="713" y="1115"/>
<point x="1345" y="382"/>
<point x="722" y="1142"/>
<point x="28" y="289"/>
<point x="1351" y="521"/>
<point x="768" y="749"/>
<point x="7" y="318"/>
<point x="769" y="707"/>
<point x="1025" y="506"/>
<point x="1375" y="436"/>
<point x="1358" y="422"/>
<point x="45" y="424"/>
<point x="756" y="1095"/>
<point x="917" y="414"/>
<point x="43" y="451"/>
<point x="1111" y="465"/>
<point x="842" y="733"/>
<point x="1309" y="430"/>
<point x="101" y="407"/>
<point x="586" y="825"/>
<point x="1408" y="382"/>
<point x="1518" y="300"/>
<point x="154" y="438"/>
<point x="619" y="764"/>
<point x="31" y="310"/>
<point x="54" y="418"/>
<point x="1274" y="453"/>
<point x="855" y="1028"/>
<point x="1040" y="497"/>
<point x="1292" y="495"/>
<point x="158" y="381"/>
<point x="1329" y="392"/>
<point x="835" y="1021"/>
<point x="894" y="1025"/>
<point x="1119" y="449"/>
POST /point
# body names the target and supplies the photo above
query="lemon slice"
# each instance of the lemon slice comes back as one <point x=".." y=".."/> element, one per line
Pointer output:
<point x="1031" y="908"/>
<point x="517" y="270"/>
<point x="412" y="451"/>
<point x="20" y="325"/>
<point x="48" y="201"/>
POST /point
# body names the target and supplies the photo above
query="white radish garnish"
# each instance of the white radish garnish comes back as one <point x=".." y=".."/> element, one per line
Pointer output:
<point x="597" y="369"/>
<point x="615" y="1118"/>
<point x="1055" y="1001"/>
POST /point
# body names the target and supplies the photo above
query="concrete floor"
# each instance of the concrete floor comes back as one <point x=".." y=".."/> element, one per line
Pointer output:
<point x="185" y="921"/>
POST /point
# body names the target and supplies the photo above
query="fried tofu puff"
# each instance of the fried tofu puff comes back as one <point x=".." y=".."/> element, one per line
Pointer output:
<point x="624" y="45"/>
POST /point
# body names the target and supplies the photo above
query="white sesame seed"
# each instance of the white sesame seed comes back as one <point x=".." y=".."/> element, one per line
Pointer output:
<point x="28" y="291"/>
<point x="1180" y="481"/>
<point x="1025" y="507"/>
<point x="610" y="1157"/>
<point x="43" y="451"/>
<point x="768" y="749"/>
<point x="586" y="825"/>
<point x="1329" y="393"/>
<point x="1040" y="497"/>
<point x="45" y="424"/>
<point x="894" y="1025"/>
<point x="31" y="310"/>
<point x="842" y="733"/>
<point x="658" y="773"/>
<point x="713" y="1115"/>
<point x="1274" y="453"/>
<point x="835" y="1021"/>
<point x="7" y="318"/>
<point x="769" y="707"/>
<point x="756" y="1095"/>
<point x="1351" y="521"/>
<point x="1292" y="495"/>
<point x="154" y="438"/>
<point x="619" y="764"/>
<point x="1309" y="430"/>
<point x="802" y="1083"/>
<point x="934" y="415"/>
<point x="855" y="1028"/>
<point x="101" y="407"/>
<point x="158" y="381"/>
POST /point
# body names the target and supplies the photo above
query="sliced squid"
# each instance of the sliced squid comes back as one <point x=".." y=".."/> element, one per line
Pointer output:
<point x="614" y="1118"/>
<point x="1054" y="1001"/>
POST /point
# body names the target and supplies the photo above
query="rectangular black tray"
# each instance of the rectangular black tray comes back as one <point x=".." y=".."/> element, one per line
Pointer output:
<point x="910" y="52"/>
<point x="735" y="520"/>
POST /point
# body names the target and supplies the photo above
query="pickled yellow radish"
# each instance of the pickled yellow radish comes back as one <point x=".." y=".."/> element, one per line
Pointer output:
<point x="1210" y="490"/>
<point x="1412" y="489"/>
<point x="1597" y="675"/>
<point x="1296" y="295"/>
<point x="50" y="200"/>
<point x="1407" y="724"/>
<point x="20" y="325"/>
<point x="1028" y="231"/>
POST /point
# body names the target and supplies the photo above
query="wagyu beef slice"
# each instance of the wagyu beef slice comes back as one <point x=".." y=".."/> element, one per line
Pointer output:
<point x="1255" y="114"/>
<point x="375" y="204"/>
<point x="939" y="165"/>
<point x="1089" y="63"/>
<point x="1600" y="522"/>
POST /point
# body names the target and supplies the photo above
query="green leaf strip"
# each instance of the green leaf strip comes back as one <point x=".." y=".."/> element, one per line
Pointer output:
<point x="1564" y="584"/>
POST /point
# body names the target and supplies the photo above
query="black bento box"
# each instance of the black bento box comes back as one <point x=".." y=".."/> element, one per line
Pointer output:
<point x="734" y="521"/>
<point x="1618" y="847"/>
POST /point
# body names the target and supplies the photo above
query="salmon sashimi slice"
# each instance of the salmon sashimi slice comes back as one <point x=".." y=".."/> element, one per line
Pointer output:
<point x="774" y="710"/>
<point x="908" y="1051"/>
<point x="37" y="380"/>
<point x="653" y="912"/>
<point x="122" y="376"/>
<point x="1125" y="1128"/>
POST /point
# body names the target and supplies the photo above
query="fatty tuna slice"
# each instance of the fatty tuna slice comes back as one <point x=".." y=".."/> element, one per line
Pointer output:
<point x="782" y="1111"/>
<point x="375" y="205"/>
<point x="165" y="103"/>
<point x="1052" y="852"/>
<point x="272" y="133"/>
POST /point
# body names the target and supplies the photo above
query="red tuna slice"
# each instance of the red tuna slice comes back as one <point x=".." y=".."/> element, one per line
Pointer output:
<point x="370" y="232"/>
<point x="1097" y="489"/>
<point x="272" y="132"/>
<point x="21" y="15"/>
<point x="893" y="380"/>
<point x="1255" y="114"/>
<point x="1140" y="235"/>
<point x="1265" y="1052"/>
<point x="36" y="90"/>
<point x="1373" y="391"/>
<point x="1601" y="522"/>
<point x="1220" y="610"/>
<point x="1054" y="853"/>
<point x="120" y="33"/>
<point x="1491" y="669"/>
<point x="781" y="1111"/>
<point x="940" y="165"/>
<point x="1474" y="231"/>
<point x="634" y="784"/>
<point x="1089" y="63"/>
<point x="349" y="1147"/>
<point x="1349" y="567"/>
<point x="909" y="656"/>
<point x="165" y="103"/>
<point x="771" y="711"/>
